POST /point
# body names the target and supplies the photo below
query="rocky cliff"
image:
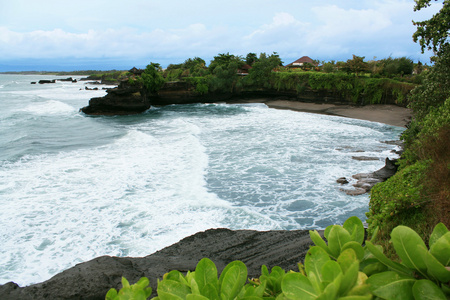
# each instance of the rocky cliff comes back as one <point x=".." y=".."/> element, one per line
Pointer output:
<point x="129" y="99"/>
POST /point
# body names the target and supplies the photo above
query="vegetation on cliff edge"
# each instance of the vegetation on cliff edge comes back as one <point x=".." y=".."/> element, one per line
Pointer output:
<point x="419" y="194"/>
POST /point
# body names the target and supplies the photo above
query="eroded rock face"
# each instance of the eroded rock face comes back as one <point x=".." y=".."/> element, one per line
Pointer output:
<point x="92" y="279"/>
<point x="123" y="100"/>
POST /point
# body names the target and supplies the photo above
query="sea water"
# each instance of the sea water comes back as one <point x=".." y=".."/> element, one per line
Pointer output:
<point x="74" y="187"/>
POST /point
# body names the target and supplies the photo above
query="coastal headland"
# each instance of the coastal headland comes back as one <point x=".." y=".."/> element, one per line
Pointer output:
<point x="131" y="99"/>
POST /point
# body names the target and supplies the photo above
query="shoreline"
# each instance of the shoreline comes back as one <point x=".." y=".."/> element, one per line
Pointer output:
<point x="382" y="113"/>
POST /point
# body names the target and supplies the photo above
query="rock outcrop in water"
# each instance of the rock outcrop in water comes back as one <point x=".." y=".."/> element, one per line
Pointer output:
<point x="122" y="100"/>
<point x="367" y="180"/>
<point x="92" y="279"/>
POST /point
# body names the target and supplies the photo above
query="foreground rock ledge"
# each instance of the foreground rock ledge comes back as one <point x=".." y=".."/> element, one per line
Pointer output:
<point x="92" y="279"/>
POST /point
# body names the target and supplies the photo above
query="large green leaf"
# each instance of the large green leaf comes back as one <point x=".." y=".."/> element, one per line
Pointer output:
<point x="206" y="272"/>
<point x="168" y="296"/>
<point x="210" y="291"/>
<point x="314" y="261"/>
<point x="171" y="289"/>
<point x="318" y="241"/>
<point x="427" y="290"/>
<point x="264" y="270"/>
<point x="391" y="285"/>
<point x="386" y="261"/>
<point x="337" y="238"/>
<point x="111" y="295"/>
<point x="434" y="267"/>
<point x="438" y="231"/>
<point x="242" y="273"/>
<point x="356" y="247"/>
<point x="374" y="268"/>
<point x="297" y="286"/>
<point x="441" y="249"/>
<point x="405" y="241"/>
<point x="233" y="281"/>
<point x="330" y="271"/>
<point x="356" y="229"/>
<point x="330" y="292"/>
<point x="176" y="276"/>
<point x="346" y="259"/>
<point x="327" y="230"/>
<point x="316" y="283"/>
<point x="349" y="279"/>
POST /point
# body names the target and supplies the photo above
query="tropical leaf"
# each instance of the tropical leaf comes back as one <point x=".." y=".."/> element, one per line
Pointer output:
<point x="314" y="261"/>
<point x="327" y="230"/>
<point x="318" y="241"/>
<point x="210" y="291"/>
<point x="439" y="230"/>
<point x="356" y="247"/>
<point x="233" y="281"/>
<point x="356" y="229"/>
<point x="386" y="261"/>
<point x="349" y="279"/>
<point x="405" y="241"/>
<point x="346" y="259"/>
<point x="330" y="292"/>
<point x="337" y="238"/>
<point x="441" y="249"/>
<point x="391" y="285"/>
<point x="171" y="289"/>
<point x="206" y="272"/>
<point x="427" y="290"/>
<point x="330" y="271"/>
<point x="297" y="286"/>
<point x="434" y="267"/>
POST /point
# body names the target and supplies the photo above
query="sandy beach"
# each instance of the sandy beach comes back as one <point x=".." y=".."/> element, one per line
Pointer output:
<point x="382" y="113"/>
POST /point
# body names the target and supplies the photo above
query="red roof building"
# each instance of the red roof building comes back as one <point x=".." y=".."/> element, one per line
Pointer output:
<point x="301" y="61"/>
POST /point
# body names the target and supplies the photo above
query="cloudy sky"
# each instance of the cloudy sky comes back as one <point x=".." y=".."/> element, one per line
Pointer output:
<point x="74" y="35"/>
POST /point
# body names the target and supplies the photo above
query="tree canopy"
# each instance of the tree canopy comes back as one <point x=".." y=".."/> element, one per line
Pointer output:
<point x="433" y="34"/>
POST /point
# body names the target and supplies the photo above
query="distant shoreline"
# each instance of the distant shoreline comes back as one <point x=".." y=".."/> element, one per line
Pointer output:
<point x="382" y="113"/>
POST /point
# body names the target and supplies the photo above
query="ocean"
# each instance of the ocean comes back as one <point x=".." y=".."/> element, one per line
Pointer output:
<point x="74" y="187"/>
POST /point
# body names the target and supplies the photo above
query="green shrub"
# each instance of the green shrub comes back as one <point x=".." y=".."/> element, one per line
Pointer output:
<point x="137" y="291"/>
<point x="398" y="200"/>
<point x="341" y="269"/>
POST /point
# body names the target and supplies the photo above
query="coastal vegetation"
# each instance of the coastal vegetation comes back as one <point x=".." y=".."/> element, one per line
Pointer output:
<point x="418" y="195"/>
<point x="344" y="267"/>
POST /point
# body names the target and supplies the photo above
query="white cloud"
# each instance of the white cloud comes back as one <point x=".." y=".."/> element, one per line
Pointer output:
<point x="126" y="42"/>
<point x="328" y="30"/>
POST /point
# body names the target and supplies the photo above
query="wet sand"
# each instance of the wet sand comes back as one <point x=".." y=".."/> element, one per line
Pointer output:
<point x="382" y="113"/>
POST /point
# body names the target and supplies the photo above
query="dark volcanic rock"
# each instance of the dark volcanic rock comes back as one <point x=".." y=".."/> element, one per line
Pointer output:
<point x="46" y="81"/>
<point x="92" y="279"/>
<point x="123" y="100"/>
<point x="367" y="180"/>
<point x="365" y="158"/>
<point x="68" y="79"/>
<point x="342" y="180"/>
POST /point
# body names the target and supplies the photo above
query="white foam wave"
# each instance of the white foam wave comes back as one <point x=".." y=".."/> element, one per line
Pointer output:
<point x="128" y="198"/>
<point x="50" y="107"/>
<point x="170" y="176"/>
